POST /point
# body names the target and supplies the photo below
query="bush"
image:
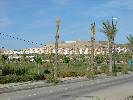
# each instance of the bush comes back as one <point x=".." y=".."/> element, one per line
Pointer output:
<point x="15" y="78"/>
<point x="131" y="68"/>
<point x="71" y="73"/>
<point x="0" y="72"/>
<point x="47" y="71"/>
<point x="119" y="68"/>
<point x="124" y="69"/>
<point x="50" y="79"/>
<point x="81" y="73"/>
<point x="39" y="77"/>
<point x="104" y="69"/>
<point x="91" y="74"/>
<point x="20" y="71"/>
<point x="25" y="78"/>
<point x="99" y="59"/>
<point x="5" y="80"/>
<point x="8" y="70"/>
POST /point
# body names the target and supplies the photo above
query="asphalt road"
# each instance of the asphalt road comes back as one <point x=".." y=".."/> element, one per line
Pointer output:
<point x="103" y="88"/>
<point x="116" y="92"/>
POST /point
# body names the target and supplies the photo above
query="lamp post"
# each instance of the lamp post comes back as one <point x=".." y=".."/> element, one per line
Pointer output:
<point x="56" y="46"/>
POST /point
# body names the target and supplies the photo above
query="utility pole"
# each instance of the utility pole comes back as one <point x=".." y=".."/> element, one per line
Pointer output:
<point x="93" y="32"/>
<point x="56" y="46"/>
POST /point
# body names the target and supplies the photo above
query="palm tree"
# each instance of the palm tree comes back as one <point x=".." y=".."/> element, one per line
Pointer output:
<point x="109" y="29"/>
<point x="93" y="32"/>
<point x="130" y="43"/>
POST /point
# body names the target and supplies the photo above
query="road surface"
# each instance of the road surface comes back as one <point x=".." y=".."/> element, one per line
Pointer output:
<point x="116" y="88"/>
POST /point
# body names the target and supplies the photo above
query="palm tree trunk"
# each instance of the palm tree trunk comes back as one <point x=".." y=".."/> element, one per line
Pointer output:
<point x="110" y="55"/>
<point x="132" y="52"/>
<point x="38" y="70"/>
<point x="93" y="66"/>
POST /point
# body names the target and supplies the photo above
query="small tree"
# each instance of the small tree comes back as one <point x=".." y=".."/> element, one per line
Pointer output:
<point x="130" y="43"/>
<point x="99" y="58"/>
<point x="38" y="60"/>
<point x="66" y="60"/>
<point x="24" y="58"/>
<point x="4" y="58"/>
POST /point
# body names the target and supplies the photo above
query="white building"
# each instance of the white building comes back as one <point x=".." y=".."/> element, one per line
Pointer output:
<point x="67" y="49"/>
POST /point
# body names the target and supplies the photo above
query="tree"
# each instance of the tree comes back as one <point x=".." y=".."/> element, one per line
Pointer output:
<point x="4" y="58"/>
<point x="38" y="60"/>
<point x="130" y="43"/>
<point x="66" y="60"/>
<point x="99" y="58"/>
<point x="109" y="29"/>
<point x="24" y="59"/>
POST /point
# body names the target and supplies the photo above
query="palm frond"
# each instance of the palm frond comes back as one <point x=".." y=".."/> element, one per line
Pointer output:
<point x="109" y="29"/>
<point x="130" y="39"/>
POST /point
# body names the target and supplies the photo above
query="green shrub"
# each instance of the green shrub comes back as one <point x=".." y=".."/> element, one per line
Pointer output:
<point x="119" y="68"/>
<point x="50" y="79"/>
<point x="5" y="80"/>
<point x="66" y="60"/>
<point x="20" y="70"/>
<point x="8" y="70"/>
<point x="131" y="68"/>
<point x="104" y="69"/>
<point x="39" y="77"/>
<point x="81" y="73"/>
<point x="124" y="69"/>
<point x="90" y="74"/>
<point x="25" y="78"/>
<point x="99" y="58"/>
<point x="0" y="72"/>
<point x="71" y="73"/>
<point x="15" y="78"/>
<point x="47" y="71"/>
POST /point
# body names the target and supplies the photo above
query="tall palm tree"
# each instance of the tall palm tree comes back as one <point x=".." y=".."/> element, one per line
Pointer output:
<point x="93" y="32"/>
<point x="110" y="30"/>
<point x="130" y="43"/>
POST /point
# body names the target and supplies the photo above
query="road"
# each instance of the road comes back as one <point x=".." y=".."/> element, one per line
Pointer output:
<point x="117" y="92"/>
<point x="116" y="88"/>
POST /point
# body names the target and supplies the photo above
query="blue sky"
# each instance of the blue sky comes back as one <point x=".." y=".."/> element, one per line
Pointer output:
<point x="34" y="20"/>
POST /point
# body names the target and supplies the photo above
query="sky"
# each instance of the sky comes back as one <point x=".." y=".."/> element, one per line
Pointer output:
<point x="35" y="20"/>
